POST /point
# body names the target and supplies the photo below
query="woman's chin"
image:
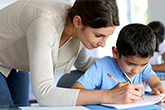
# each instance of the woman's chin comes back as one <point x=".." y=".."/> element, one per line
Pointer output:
<point x="90" y="48"/>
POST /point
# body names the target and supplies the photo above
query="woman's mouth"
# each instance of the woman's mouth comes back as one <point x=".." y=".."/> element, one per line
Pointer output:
<point x="94" y="46"/>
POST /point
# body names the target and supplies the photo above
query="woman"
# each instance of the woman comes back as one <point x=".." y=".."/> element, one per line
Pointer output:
<point x="43" y="37"/>
<point x="158" y="60"/>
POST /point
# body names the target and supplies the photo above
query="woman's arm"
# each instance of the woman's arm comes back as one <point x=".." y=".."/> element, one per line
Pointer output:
<point x="121" y="93"/>
<point x="41" y="36"/>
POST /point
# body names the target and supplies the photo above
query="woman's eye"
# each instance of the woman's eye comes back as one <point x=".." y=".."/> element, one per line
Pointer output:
<point x="97" y="35"/>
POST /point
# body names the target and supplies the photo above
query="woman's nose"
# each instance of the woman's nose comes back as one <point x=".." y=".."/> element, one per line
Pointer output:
<point x="102" y="44"/>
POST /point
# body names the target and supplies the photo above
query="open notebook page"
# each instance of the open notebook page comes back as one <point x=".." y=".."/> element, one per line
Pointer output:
<point x="145" y="100"/>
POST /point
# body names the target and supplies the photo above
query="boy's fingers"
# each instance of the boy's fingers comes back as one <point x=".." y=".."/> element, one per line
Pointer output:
<point x="163" y="100"/>
<point x="155" y="91"/>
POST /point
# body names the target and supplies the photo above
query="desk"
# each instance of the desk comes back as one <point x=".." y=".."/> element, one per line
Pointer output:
<point x="99" y="107"/>
<point x="161" y="76"/>
<point x="149" y="107"/>
<point x="93" y="107"/>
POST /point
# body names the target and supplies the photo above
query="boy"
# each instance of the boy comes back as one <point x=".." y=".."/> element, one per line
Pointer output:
<point x="135" y="46"/>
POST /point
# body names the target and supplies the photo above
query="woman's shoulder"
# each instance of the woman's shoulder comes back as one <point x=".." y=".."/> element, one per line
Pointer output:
<point x="50" y="6"/>
<point x="53" y="10"/>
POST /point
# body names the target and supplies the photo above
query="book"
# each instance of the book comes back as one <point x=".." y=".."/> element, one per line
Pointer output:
<point x="145" y="100"/>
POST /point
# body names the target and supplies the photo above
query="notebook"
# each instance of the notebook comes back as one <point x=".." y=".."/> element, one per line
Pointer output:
<point x="145" y="100"/>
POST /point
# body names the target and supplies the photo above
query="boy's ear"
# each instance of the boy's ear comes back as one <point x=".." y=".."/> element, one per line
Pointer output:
<point x="77" y="22"/>
<point x="115" y="52"/>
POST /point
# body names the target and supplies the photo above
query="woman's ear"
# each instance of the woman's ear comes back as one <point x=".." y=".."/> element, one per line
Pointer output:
<point x="115" y="52"/>
<point x="77" y="22"/>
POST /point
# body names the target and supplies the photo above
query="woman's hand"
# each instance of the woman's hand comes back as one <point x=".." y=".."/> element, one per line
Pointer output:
<point x="124" y="93"/>
<point x="121" y="93"/>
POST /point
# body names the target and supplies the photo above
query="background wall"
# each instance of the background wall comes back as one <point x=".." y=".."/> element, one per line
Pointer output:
<point x="4" y="3"/>
<point x="156" y="10"/>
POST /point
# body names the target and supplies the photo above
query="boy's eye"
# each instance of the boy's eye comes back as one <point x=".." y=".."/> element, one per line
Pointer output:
<point x="143" y="65"/>
<point x="129" y="64"/>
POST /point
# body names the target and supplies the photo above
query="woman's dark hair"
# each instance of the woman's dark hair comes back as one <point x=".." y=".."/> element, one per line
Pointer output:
<point x="136" y="39"/>
<point x="158" y="29"/>
<point x="96" y="13"/>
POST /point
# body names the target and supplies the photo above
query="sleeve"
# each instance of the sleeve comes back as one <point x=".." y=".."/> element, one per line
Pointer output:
<point x="40" y="37"/>
<point x="162" y="47"/>
<point x="83" y="60"/>
<point x="92" y="77"/>
<point x="147" y="72"/>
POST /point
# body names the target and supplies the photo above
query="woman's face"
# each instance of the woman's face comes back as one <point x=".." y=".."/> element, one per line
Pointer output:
<point x="94" y="37"/>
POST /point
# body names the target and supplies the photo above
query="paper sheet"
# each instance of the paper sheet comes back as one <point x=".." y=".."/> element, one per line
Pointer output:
<point x="53" y="108"/>
<point x="147" y="100"/>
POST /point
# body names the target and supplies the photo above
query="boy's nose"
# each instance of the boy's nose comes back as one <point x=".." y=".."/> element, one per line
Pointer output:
<point x="135" y="70"/>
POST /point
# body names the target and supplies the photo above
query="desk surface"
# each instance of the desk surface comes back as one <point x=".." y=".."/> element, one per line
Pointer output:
<point x="149" y="107"/>
<point x="159" y="106"/>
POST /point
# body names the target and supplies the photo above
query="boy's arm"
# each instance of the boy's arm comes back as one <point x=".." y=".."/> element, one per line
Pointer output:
<point x="78" y="85"/>
<point x="156" y="86"/>
<point x="154" y="82"/>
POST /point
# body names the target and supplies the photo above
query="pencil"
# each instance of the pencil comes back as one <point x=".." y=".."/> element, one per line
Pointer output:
<point x="126" y="78"/>
<point x="113" y="78"/>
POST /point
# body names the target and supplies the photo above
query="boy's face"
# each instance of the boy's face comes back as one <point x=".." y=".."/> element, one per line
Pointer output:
<point x="130" y="65"/>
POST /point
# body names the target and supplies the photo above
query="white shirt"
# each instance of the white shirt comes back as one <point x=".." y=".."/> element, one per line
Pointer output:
<point x="157" y="57"/>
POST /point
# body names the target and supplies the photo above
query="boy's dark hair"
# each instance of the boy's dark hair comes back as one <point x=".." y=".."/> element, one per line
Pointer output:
<point x="96" y="13"/>
<point x="136" y="39"/>
<point x="158" y="29"/>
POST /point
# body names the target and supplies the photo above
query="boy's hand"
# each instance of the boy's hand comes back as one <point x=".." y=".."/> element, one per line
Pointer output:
<point x="156" y="91"/>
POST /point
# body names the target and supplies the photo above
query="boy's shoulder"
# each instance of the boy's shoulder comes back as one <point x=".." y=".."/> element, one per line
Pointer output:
<point x="105" y="59"/>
